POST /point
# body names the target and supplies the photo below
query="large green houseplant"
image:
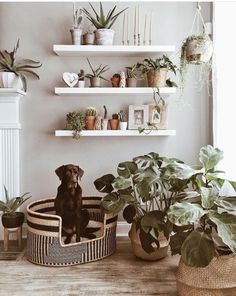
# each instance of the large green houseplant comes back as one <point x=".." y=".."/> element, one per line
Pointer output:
<point x="205" y="231"/>
<point x="104" y="34"/>
<point x="144" y="190"/>
<point x="13" y="72"/>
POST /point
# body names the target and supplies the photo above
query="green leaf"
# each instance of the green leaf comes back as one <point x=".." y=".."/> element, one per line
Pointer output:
<point x="210" y="157"/>
<point x="126" y="169"/>
<point x="112" y="203"/>
<point x="228" y="203"/>
<point x="129" y="213"/>
<point x="180" y="171"/>
<point x="121" y="183"/>
<point x="208" y="197"/>
<point x="198" y="249"/>
<point x="153" y="219"/>
<point x="147" y="241"/>
<point x="226" y="227"/>
<point x="6" y="194"/>
<point x="177" y="240"/>
<point x="184" y="213"/>
<point x="104" y="184"/>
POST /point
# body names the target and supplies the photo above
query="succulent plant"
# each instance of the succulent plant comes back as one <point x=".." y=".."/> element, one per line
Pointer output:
<point x="21" y="67"/>
<point x="91" y="111"/>
<point x="101" y="21"/>
<point x="132" y="71"/>
<point x="115" y="116"/>
<point x="122" y="115"/>
<point x="76" y="122"/>
<point x="105" y="112"/>
<point x="98" y="72"/>
<point x="81" y="75"/>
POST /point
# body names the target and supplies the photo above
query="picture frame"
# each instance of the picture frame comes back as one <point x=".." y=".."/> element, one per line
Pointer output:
<point x="160" y="119"/>
<point x="138" y="116"/>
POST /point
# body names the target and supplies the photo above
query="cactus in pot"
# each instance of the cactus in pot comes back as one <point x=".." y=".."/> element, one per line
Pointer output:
<point x="90" y="118"/>
<point x="105" y="119"/>
<point x="122" y="115"/>
<point x="114" y="122"/>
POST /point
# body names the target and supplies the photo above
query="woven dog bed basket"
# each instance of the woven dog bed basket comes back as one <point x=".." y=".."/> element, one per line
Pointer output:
<point x="216" y="279"/>
<point x="44" y="241"/>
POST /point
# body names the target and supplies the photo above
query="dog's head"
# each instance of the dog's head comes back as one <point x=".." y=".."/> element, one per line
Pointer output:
<point x="69" y="173"/>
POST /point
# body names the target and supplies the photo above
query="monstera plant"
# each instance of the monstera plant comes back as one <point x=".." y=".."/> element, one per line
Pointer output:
<point x="144" y="190"/>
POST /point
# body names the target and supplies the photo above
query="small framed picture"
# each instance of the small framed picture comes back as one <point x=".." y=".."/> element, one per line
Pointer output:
<point x="158" y="115"/>
<point x="138" y="116"/>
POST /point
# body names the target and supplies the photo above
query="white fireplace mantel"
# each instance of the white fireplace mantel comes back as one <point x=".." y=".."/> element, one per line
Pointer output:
<point x="9" y="140"/>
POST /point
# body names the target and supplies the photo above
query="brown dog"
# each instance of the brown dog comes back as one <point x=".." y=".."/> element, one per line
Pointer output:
<point x="68" y="202"/>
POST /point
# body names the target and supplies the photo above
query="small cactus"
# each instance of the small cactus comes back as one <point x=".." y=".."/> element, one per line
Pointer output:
<point x="81" y="75"/>
<point x="122" y="116"/>
<point x="91" y="111"/>
<point x="105" y="112"/>
<point x="115" y="116"/>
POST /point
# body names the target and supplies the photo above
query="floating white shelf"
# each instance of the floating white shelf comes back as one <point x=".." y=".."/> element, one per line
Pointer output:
<point x="112" y="50"/>
<point x="11" y="91"/>
<point x="116" y="133"/>
<point x="111" y="90"/>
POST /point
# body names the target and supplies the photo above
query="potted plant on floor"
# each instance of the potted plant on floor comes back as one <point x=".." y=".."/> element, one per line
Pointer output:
<point x="114" y="121"/>
<point x="96" y="76"/>
<point x="157" y="70"/>
<point x="144" y="190"/>
<point x="13" y="72"/>
<point x="11" y="218"/>
<point x="104" y="34"/>
<point x="205" y="234"/>
<point x="123" y="119"/>
<point x="75" y="121"/>
<point x="76" y="32"/>
<point x="90" y="118"/>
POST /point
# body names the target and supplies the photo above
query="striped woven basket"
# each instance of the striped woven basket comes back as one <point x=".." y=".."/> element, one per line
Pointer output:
<point x="44" y="242"/>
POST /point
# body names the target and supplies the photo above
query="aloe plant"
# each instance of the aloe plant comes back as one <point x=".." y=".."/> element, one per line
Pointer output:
<point x="102" y="21"/>
<point x="97" y="72"/>
<point x="21" y="68"/>
<point x="12" y="204"/>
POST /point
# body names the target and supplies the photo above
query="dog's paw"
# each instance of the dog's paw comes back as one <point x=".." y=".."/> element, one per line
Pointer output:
<point x="67" y="240"/>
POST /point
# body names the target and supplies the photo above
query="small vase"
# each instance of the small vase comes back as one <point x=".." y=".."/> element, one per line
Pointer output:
<point x="157" y="78"/>
<point x="104" y="36"/>
<point x="81" y="83"/>
<point x="131" y="82"/>
<point x="114" y="124"/>
<point x="104" y="124"/>
<point x="88" y="39"/>
<point x="76" y="36"/>
<point x="90" y="122"/>
<point x="95" y="81"/>
<point x="123" y="125"/>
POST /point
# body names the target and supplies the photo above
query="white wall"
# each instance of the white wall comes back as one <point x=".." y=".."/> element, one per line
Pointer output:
<point x="39" y="26"/>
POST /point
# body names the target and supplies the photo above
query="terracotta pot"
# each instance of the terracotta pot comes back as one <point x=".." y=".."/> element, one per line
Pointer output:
<point x="199" y="51"/>
<point x="90" y="122"/>
<point x="95" y="81"/>
<point x="115" y="80"/>
<point x="76" y="36"/>
<point x="114" y="124"/>
<point x="157" y="78"/>
<point x="131" y="82"/>
<point x="13" y="221"/>
<point x="104" y="36"/>
<point x="159" y="253"/>
<point x="216" y="279"/>
<point x="88" y="39"/>
<point x="10" y="80"/>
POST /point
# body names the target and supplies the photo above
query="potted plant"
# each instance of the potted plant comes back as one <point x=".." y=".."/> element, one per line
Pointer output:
<point x="88" y="38"/>
<point x="205" y="234"/>
<point x="75" y="122"/>
<point x="96" y="76"/>
<point x="115" y="80"/>
<point x="131" y="74"/>
<point x="90" y="118"/>
<point x="11" y="218"/>
<point x="13" y="72"/>
<point x="144" y="190"/>
<point x="123" y="120"/>
<point x="81" y="76"/>
<point x="114" y="121"/>
<point x="157" y="70"/>
<point x="104" y="119"/>
<point x="76" y="32"/>
<point x="104" y="35"/>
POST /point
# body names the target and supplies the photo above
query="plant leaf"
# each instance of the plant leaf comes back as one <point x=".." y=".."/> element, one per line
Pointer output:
<point x="129" y="213"/>
<point x="121" y="183"/>
<point x="153" y="219"/>
<point x="112" y="203"/>
<point x="177" y="240"/>
<point x="6" y="194"/>
<point x="208" y="197"/>
<point x="210" y="156"/>
<point x="104" y="184"/>
<point x="126" y="169"/>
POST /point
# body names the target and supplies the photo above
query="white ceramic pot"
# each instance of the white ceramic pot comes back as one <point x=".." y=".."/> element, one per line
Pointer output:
<point x="123" y="125"/>
<point x="76" y="35"/>
<point x="81" y="83"/>
<point x="104" y="36"/>
<point x="10" y="80"/>
<point x="104" y="124"/>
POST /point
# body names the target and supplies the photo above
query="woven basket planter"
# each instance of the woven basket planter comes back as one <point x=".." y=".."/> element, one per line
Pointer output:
<point x="216" y="279"/>
<point x="44" y="242"/>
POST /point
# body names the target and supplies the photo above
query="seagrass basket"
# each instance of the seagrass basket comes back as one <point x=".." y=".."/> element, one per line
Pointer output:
<point x="44" y="242"/>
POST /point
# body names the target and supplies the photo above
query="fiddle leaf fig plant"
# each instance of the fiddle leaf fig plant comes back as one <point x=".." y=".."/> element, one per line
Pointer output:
<point x="144" y="190"/>
<point x="205" y="225"/>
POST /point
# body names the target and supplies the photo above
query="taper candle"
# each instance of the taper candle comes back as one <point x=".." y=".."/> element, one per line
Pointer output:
<point x="150" y="30"/>
<point x="127" y="27"/>
<point x="123" y="33"/>
<point x="144" y="32"/>
<point x="138" y="19"/>
<point x="135" y="15"/>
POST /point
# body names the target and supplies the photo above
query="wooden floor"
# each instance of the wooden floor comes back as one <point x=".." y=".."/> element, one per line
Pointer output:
<point x="119" y="274"/>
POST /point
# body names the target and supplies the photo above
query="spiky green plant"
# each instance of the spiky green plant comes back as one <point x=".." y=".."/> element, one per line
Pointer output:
<point x="100" y="21"/>
<point x="91" y="111"/>
<point x="76" y="122"/>
<point x="21" y="68"/>
<point x="12" y="204"/>
<point x="97" y="72"/>
<point x="133" y="72"/>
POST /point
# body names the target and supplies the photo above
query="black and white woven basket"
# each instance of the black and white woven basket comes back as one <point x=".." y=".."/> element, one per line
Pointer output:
<point x="44" y="241"/>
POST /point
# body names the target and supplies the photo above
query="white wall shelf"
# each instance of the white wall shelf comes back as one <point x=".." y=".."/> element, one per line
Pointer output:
<point x="113" y="50"/>
<point x="111" y="90"/>
<point x="116" y="133"/>
<point x="11" y="92"/>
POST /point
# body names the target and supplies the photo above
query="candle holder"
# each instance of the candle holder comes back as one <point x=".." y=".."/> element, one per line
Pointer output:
<point x="139" y="40"/>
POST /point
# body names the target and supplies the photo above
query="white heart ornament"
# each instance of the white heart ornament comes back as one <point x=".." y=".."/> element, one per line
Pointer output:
<point x="70" y="78"/>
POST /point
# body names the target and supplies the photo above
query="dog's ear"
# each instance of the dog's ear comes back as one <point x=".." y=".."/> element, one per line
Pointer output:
<point x="60" y="171"/>
<point x="81" y="172"/>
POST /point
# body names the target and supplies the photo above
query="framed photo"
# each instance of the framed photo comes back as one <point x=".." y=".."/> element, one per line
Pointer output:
<point x="138" y="116"/>
<point x="159" y="116"/>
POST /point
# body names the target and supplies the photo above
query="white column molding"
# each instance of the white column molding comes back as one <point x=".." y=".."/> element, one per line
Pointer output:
<point x="9" y="140"/>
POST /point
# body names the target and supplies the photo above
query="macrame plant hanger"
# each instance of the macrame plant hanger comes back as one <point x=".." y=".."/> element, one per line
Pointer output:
<point x="196" y="21"/>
